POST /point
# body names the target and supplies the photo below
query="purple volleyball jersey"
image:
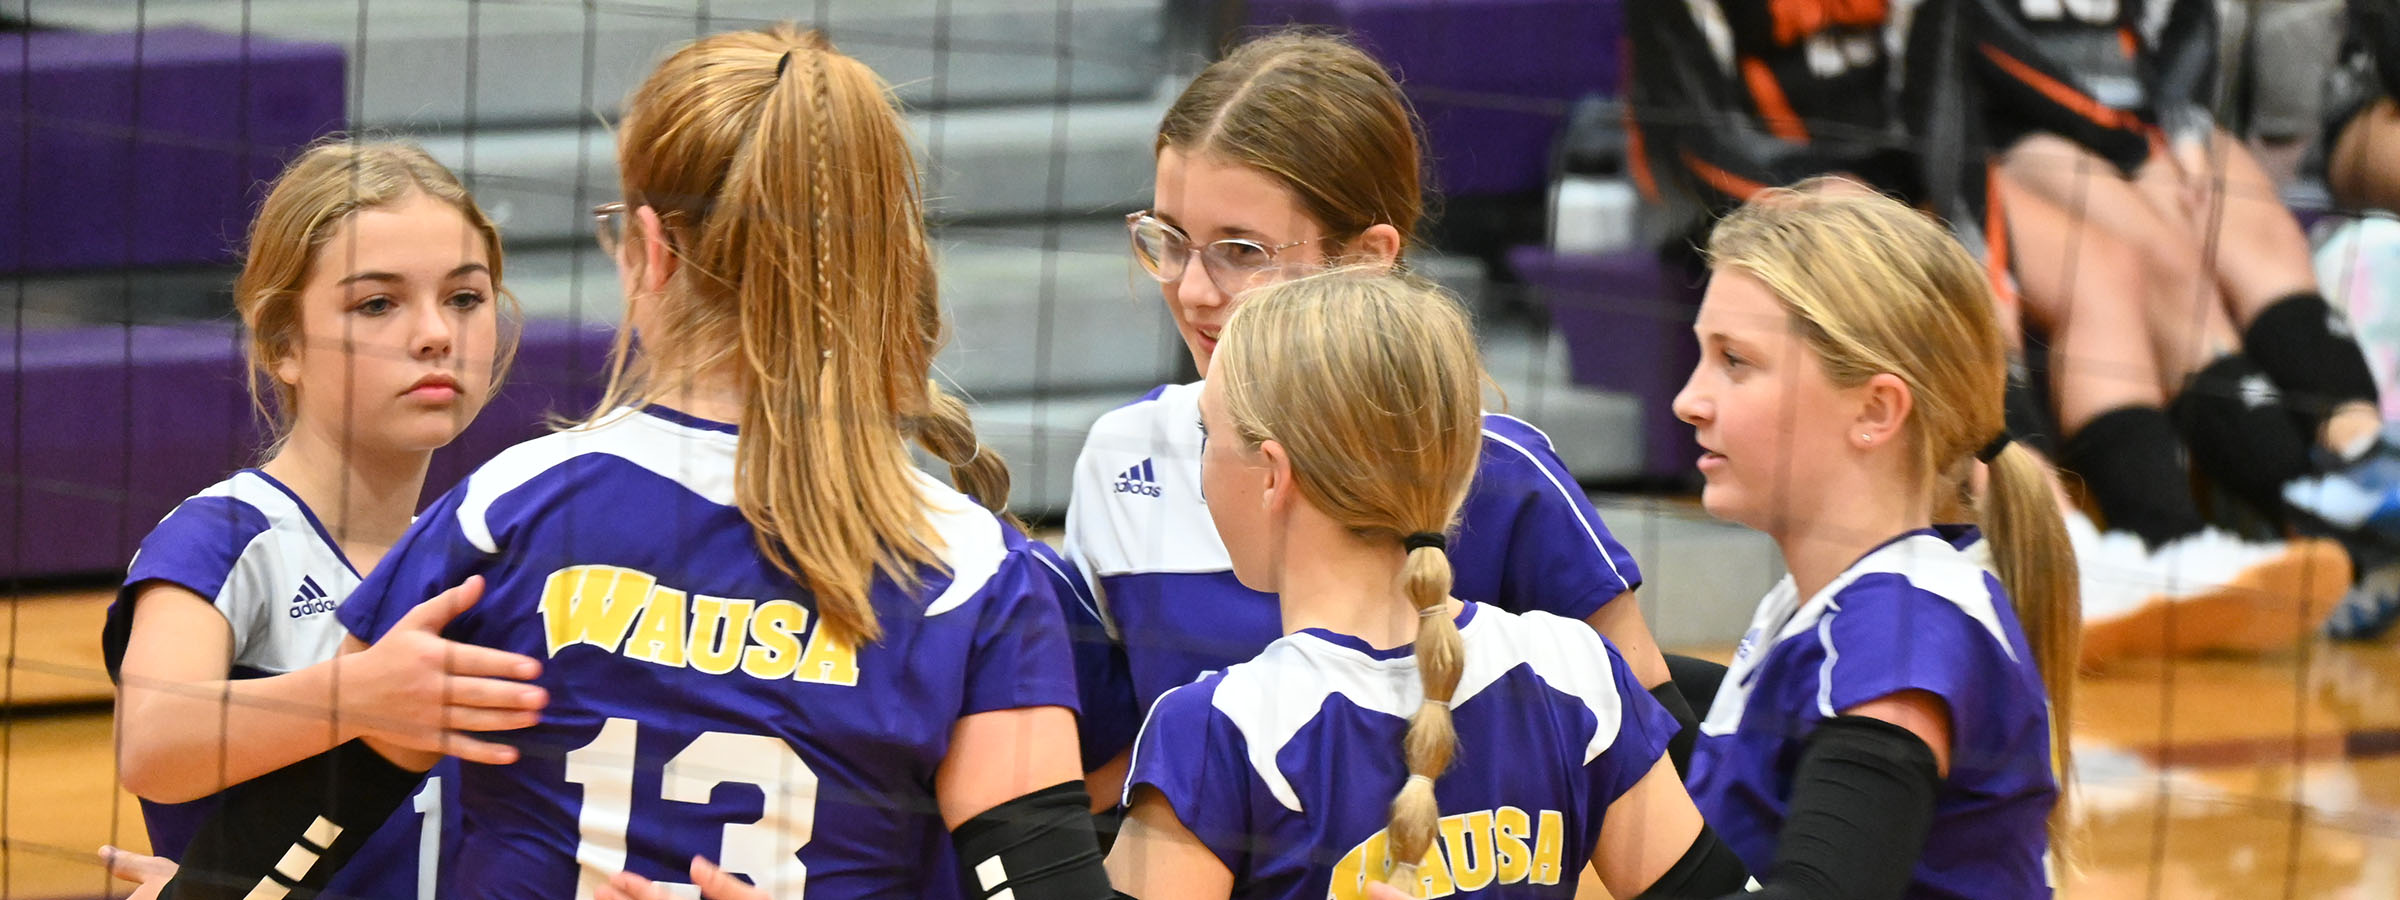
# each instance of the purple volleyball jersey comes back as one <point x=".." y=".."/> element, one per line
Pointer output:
<point x="251" y="548"/>
<point x="1285" y="766"/>
<point x="1920" y="613"/>
<point x="1160" y="582"/>
<point x="696" y="706"/>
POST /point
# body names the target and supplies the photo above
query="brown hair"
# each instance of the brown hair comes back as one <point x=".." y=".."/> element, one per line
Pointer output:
<point x="1390" y="454"/>
<point x="1317" y="114"/>
<point x="1877" y="287"/>
<point x="782" y="174"/>
<point x="322" y="187"/>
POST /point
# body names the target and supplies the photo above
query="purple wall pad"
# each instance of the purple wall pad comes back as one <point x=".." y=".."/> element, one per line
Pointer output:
<point x="1628" y="327"/>
<point x="90" y="178"/>
<point x="117" y="425"/>
<point x="1492" y="78"/>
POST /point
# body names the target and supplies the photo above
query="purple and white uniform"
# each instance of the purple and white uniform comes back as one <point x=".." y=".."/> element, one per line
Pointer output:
<point x="1285" y="766"/>
<point x="1920" y="613"/>
<point x="1139" y="532"/>
<point x="696" y="706"/>
<point x="250" y="547"/>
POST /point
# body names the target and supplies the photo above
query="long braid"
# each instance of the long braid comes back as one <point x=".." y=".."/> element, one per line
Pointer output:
<point x="1431" y="741"/>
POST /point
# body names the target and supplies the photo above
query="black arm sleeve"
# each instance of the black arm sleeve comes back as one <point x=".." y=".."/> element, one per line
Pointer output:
<point x="1707" y="869"/>
<point x="1687" y="726"/>
<point x="1036" y="847"/>
<point x="288" y="831"/>
<point x="1862" y="802"/>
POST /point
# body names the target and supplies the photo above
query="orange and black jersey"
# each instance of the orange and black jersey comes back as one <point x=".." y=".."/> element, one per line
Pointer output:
<point x="2107" y="74"/>
<point x="1730" y="96"/>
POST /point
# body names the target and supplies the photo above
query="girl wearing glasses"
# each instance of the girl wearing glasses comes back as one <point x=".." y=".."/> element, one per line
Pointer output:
<point x="1293" y="153"/>
<point x="1323" y="765"/>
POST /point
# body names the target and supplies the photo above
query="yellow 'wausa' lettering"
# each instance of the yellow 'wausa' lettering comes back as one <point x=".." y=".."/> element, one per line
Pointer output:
<point x="627" y="612"/>
<point x="1474" y="851"/>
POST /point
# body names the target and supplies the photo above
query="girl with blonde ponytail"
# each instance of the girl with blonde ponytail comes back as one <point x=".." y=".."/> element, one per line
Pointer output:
<point x="1893" y="723"/>
<point x="1294" y="153"/>
<point x="733" y="572"/>
<point x="1394" y="735"/>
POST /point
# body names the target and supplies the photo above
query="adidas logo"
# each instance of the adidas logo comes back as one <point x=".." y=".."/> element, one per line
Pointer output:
<point x="1140" y="480"/>
<point x="311" y="600"/>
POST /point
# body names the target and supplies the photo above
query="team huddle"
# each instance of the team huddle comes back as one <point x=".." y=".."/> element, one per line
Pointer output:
<point x="1321" y="624"/>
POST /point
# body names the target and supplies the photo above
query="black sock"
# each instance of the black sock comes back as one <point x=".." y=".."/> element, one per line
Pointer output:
<point x="2240" y="430"/>
<point x="2132" y="463"/>
<point x="2310" y="351"/>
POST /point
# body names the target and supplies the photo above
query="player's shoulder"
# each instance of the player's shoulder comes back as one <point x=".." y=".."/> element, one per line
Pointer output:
<point x="651" y="443"/>
<point x="232" y="514"/>
<point x="1151" y="414"/>
<point x="1576" y="665"/>
<point x="1922" y="573"/>
<point x="1513" y="444"/>
<point x="1944" y="562"/>
<point x="979" y="551"/>
<point x="1564" y="653"/>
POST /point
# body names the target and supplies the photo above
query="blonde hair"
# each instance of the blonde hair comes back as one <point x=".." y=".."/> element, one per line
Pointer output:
<point x="1876" y="287"/>
<point x="1388" y="454"/>
<point x="781" y="172"/>
<point x="1316" y="114"/>
<point x="330" y="180"/>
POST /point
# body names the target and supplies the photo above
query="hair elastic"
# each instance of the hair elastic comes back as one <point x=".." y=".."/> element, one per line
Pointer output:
<point x="1424" y="778"/>
<point x="1423" y="539"/>
<point x="1992" y="450"/>
<point x="782" y="64"/>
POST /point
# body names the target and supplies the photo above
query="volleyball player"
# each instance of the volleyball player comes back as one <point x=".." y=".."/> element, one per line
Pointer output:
<point x="769" y="639"/>
<point x="1285" y="775"/>
<point x="372" y="296"/>
<point x="1291" y="153"/>
<point x="1894" y="705"/>
<point x="1728" y="99"/>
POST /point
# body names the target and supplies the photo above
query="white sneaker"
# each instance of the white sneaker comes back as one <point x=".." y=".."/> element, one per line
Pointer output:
<point x="2210" y="591"/>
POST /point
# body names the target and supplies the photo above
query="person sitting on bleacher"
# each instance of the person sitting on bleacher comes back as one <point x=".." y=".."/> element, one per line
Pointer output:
<point x="1726" y="98"/>
<point x="2101" y="107"/>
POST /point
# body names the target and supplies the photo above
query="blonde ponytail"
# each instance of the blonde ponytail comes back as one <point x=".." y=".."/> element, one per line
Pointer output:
<point x="1371" y="382"/>
<point x="2036" y="565"/>
<point x="1876" y="287"/>
<point x="1431" y="741"/>
<point x="782" y="177"/>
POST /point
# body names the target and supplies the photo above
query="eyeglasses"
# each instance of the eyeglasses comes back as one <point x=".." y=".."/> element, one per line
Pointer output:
<point x="1232" y="264"/>
<point x="608" y="226"/>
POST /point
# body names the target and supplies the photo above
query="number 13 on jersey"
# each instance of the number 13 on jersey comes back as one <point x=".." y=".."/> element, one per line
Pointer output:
<point x="767" y="850"/>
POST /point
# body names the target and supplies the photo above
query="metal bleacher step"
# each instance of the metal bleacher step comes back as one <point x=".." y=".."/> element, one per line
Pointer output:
<point x="1598" y="434"/>
<point x="978" y="164"/>
<point x="1033" y="308"/>
<point x="555" y="63"/>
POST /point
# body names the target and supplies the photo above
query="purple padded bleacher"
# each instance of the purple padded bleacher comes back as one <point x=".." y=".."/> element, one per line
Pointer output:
<point x="1492" y="78"/>
<point x="145" y="149"/>
<point x="1627" y="322"/>
<point x="115" y="425"/>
